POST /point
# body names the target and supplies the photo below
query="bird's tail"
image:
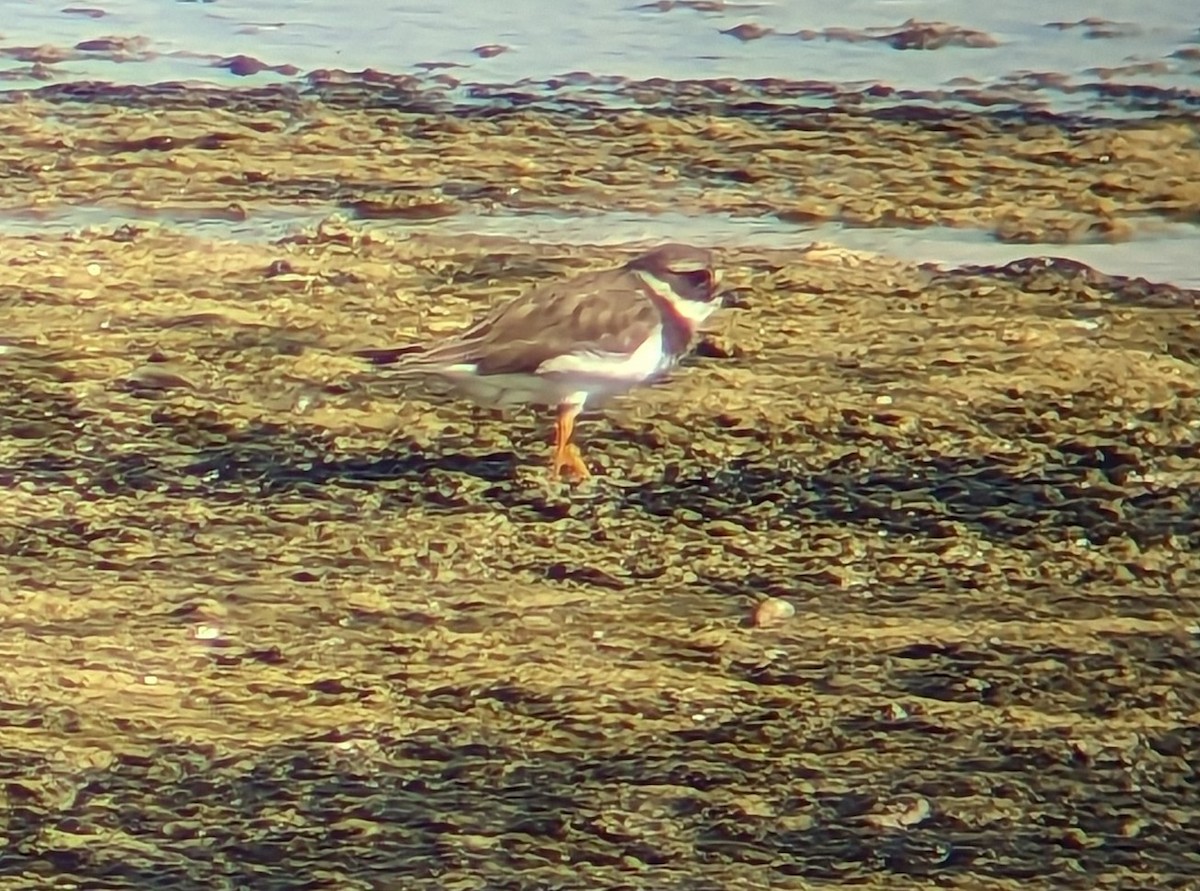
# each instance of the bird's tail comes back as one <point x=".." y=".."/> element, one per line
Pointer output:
<point x="388" y="355"/>
<point x="416" y="360"/>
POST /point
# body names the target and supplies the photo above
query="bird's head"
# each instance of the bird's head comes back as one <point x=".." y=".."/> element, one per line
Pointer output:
<point x="682" y="275"/>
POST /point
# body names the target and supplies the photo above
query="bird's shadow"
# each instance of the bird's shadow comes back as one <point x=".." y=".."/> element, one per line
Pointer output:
<point x="272" y="460"/>
<point x="278" y="461"/>
<point x="916" y="495"/>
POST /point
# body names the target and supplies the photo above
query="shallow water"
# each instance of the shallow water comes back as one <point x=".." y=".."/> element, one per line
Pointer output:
<point x="627" y="39"/>
<point x="1160" y="251"/>
<point x="182" y="41"/>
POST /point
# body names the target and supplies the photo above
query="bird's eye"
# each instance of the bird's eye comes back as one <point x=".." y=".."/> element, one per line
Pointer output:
<point x="700" y="278"/>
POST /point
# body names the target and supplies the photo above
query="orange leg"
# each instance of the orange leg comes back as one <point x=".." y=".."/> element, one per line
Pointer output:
<point x="568" y="462"/>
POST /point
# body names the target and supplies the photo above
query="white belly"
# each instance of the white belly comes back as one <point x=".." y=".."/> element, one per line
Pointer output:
<point x="572" y="378"/>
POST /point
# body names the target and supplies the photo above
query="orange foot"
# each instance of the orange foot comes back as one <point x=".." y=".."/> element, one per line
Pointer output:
<point x="568" y="461"/>
<point x="568" y="464"/>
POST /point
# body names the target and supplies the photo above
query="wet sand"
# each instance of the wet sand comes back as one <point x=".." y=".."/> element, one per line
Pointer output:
<point x="269" y="626"/>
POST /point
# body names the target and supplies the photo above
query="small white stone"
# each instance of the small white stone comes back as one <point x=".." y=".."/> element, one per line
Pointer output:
<point x="93" y="269"/>
<point x="772" y="611"/>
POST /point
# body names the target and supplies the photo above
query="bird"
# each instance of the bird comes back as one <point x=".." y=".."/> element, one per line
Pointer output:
<point x="569" y="343"/>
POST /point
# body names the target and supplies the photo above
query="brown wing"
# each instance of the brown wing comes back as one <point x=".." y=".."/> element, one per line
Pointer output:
<point x="602" y="312"/>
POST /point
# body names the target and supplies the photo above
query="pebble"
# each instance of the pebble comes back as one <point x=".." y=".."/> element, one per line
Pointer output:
<point x="773" y="611"/>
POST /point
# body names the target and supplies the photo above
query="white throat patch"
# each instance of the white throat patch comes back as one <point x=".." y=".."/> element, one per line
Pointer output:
<point x="692" y="311"/>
